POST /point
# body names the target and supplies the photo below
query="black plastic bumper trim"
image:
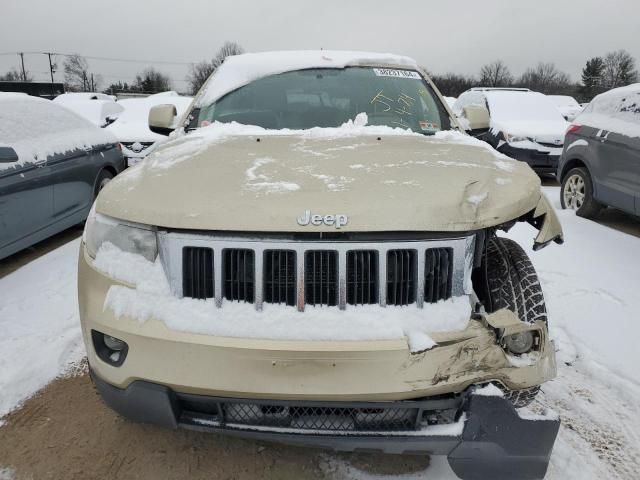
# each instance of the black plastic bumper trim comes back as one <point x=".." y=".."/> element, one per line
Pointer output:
<point x="495" y="443"/>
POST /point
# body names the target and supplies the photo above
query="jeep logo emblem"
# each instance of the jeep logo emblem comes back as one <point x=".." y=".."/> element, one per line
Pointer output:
<point x="337" y="221"/>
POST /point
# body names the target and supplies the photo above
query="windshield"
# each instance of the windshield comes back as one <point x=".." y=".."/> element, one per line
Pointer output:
<point x="304" y="99"/>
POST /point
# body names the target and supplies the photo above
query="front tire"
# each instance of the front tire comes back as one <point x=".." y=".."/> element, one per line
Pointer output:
<point x="511" y="282"/>
<point x="104" y="177"/>
<point x="576" y="193"/>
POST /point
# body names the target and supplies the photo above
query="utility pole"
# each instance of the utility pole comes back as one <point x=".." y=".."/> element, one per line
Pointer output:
<point x="51" y="71"/>
<point x="24" y="73"/>
<point x="50" y="66"/>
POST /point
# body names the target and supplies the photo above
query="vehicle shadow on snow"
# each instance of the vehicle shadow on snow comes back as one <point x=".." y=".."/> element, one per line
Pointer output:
<point x="14" y="262"/>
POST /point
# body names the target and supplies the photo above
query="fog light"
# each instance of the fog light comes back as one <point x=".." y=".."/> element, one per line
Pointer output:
<point x="114" y="343"/>
<point x="109" y="349"/>
<point x="519" y="343"/>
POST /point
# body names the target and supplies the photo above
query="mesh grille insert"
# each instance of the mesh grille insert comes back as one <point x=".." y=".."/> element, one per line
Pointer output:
<point x="280" y="276"/>
<point x="239" y="274"/>
<point x="321" y="277"/>
<point x="438" y="274"/>
<point x="401" y="277"/>
<point x="362" y="277"/>
<point x="197" y="272"/>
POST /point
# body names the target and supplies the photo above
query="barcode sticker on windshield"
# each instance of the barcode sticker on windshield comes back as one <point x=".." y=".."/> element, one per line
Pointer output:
<point x="388" y="72"/>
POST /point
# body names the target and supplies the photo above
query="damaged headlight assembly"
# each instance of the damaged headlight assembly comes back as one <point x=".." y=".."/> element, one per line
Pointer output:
<point x="128" y="237"/>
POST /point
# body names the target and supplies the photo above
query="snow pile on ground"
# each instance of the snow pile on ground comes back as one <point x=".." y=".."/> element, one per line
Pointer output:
<point x="151" y="300"/>
<point x="37" y="128"/>
<point x="616" y="111"/>
<point x="39" y="324"/>
<point x="240" y="70"/>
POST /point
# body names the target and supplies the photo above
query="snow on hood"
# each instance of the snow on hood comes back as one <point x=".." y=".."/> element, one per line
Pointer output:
<point x="37" y="128"/>
<point x="527" y="114"/>
<point x="132" y="124"/>
<point x="96" y="111"/>
<point x="616" y="111"/>
<point x="235" y="177"/>
<point x="240" y="70"/>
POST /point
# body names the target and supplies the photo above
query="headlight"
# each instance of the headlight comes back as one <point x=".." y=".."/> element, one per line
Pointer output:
<point x="515" y="138"/>
<point x="519" y="343"/>
<point x="128" y="237"/>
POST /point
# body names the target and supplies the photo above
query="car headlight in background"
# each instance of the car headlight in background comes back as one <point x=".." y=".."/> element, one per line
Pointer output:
<point x="515" y="138"/>
<point x="128" y="237"/>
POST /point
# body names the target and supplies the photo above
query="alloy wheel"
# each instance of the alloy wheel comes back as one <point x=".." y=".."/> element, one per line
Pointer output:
<point x="574" y="192"/>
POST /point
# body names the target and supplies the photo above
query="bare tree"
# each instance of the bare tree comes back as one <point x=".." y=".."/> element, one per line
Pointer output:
<point x="152" y="81"/>
<point x="14" y="75"/>
<point x="619" y="69"/>
<point x="546" y="78"/>
<point x="452" y="84"/>
<point x="495" y="74"/>
<point x="199" y="72"/>
<point x="77" y="76"/>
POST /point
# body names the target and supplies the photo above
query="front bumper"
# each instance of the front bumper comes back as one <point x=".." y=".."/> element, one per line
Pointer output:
<point x="381" y="370"/>
<point x="540" y="162"/>
<point x="488" y="440"/>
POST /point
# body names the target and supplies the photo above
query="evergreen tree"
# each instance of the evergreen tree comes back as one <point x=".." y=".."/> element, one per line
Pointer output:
<point x="592" y="79"/>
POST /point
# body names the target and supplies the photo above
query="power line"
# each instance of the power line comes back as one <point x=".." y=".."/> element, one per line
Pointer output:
<point x="104" y="59"/>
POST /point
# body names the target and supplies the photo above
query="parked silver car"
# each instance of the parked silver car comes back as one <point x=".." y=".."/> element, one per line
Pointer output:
<point x="52" y="165"/>
<point x="600" y="163"/>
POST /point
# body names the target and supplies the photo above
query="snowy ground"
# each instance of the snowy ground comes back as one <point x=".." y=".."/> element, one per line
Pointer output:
<point x="591" y="285"/>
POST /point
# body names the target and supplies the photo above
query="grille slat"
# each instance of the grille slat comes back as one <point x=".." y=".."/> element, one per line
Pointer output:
<point x="321" y="279"/>
<point x="197" y="272"/>
<point x="280" y="277"/>
<point x="362" y="277"/>
<point x="438" y="274"/>
<point x="239" y="274"/>
<point x="401" y="277"/>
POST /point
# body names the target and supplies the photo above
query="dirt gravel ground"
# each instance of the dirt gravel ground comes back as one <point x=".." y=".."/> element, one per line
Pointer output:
<point x="66" y="432"/>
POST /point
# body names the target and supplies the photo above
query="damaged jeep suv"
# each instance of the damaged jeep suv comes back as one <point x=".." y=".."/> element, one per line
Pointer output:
<point x="313" y="258"/>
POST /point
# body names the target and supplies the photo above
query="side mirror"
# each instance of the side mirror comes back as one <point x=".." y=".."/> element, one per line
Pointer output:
<point x="162" y="118"/>
<point x="8" y="155"/>
<point x="477" y="117"/>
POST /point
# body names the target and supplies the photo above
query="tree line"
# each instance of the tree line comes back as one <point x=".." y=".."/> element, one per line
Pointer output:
<point x="615" y="69"/>
<point x="79" y="77"/>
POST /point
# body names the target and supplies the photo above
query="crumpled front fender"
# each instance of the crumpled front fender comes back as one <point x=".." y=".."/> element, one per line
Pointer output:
<point x="544" y="218"/>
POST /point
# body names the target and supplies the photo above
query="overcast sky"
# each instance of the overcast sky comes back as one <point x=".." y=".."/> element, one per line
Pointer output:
<point x="458" y="36"/>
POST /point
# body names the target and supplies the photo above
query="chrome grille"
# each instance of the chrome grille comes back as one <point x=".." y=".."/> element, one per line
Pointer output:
<point x="318" y="272"/>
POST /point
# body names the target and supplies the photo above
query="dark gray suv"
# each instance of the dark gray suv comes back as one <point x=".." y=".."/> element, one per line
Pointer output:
<point x="52" y="164"/>
<point x="600" y="162"/>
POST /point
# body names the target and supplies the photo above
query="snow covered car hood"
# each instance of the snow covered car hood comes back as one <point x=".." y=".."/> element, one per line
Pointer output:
<point x="541" y="132"/>
<point x="449" y="182"/>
